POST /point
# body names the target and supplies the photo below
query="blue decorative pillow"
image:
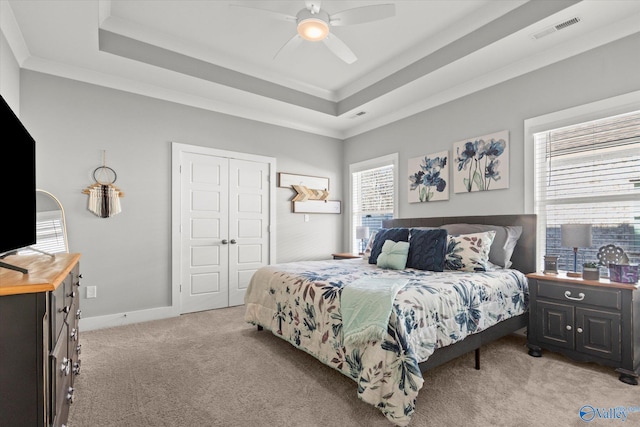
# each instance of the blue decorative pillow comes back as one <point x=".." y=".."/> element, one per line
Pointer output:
<point x="427" y="249"/>
<point x="393" y="255"/>
<point x="384" y="234"/>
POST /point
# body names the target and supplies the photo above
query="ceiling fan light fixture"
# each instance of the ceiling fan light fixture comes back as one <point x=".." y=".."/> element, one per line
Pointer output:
<point x="313" y="29"/>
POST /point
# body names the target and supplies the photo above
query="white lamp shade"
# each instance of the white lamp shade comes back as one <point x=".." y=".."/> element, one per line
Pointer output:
<point x="362" y="232"/>
<point x="576" y="235"/>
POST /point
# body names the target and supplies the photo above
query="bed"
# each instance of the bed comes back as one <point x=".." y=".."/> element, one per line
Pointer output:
<point x="434" y="315"/>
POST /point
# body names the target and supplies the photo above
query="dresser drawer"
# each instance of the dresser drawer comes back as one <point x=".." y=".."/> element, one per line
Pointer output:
<point x="591" y="295"/>
<point x="60" y="378"/>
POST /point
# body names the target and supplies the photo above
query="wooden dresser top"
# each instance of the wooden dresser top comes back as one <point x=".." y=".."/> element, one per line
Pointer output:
<point x="45" y="273"/>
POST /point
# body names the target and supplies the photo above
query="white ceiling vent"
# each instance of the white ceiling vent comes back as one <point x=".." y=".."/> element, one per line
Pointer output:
<point x="557" y="27"/>
<point x="358" y="114"/>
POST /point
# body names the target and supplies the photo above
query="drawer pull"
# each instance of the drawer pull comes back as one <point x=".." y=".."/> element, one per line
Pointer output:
<point x="78" y="314"/>
<point x="76" y="368"/>
<point x="568" y="327"/>
<point x="73" y="334"/>
<point x="579" y="330"/>
<point x="580" y="296"/>
<point x="72" y="294"/>
<point x="65" y="309"/>
<point x="70" y="395"/>
<point x="78" y="348"/>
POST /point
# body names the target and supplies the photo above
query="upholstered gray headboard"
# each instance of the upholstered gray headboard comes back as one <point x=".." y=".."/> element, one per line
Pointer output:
<point x="524" y="254"/>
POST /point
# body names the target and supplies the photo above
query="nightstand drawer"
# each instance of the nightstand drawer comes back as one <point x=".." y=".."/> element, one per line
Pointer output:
<point x="605" y="298"/>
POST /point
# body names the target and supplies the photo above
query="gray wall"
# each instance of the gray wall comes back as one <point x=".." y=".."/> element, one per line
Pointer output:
<point x="128" y="256"/>
<point x="601" y="73"/>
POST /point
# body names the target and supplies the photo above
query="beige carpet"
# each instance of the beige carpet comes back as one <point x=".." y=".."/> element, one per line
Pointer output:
<point x="213" y="369"/>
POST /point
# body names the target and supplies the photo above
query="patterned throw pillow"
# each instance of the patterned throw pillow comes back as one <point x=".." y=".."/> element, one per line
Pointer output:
<point x="427" y="249"/>
<point x="469" y="252"/>
<point x="393" y="255"/>
<point x="384" y="234"/>
<point x="503" y="244"/>
<point x="367" y="250"/>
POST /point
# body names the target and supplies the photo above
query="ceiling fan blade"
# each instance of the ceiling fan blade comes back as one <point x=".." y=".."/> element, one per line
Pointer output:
<point x="360" y="15"/>
<point x="313" y="6"/>
<point x="256" y="11"/>
<point x="290" y="45"/>
<point x="340" y="49"/>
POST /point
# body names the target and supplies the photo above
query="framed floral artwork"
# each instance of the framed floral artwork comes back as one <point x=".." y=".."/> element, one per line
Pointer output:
<point x="429" y="178"/>
<point x="482" y="163"/>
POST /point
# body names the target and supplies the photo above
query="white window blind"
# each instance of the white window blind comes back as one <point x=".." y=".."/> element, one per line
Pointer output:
<point x="589" y="173"/>
<point x="373" y="196"/>
<point x="373" y="191"/>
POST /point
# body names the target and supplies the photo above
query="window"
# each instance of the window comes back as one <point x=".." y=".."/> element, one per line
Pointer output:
<point x="373" y="194"/>
<point x="589" y="173"/>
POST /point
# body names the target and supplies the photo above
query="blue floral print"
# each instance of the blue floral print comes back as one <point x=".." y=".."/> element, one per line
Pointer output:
<point x="300" y="302"/>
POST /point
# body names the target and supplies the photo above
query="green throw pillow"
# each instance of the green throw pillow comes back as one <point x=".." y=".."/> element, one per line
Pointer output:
<point x="393" y="255"/>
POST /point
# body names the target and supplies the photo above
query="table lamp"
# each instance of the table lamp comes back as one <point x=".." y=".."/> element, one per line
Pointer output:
<point x="575" y="236"/>
<point x="362" y="234"/>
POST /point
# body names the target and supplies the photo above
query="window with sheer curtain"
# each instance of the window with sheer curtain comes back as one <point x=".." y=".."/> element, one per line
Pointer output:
<point x="373" y="194"/>
<point x="589" y="173"/>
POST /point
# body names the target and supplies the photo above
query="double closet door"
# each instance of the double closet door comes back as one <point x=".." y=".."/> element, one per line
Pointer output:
<point x="225" y="233"/>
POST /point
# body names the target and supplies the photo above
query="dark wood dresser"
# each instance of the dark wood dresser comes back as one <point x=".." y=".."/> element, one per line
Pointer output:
<point x="587" y="320"/>
<point x="39" y="339"/>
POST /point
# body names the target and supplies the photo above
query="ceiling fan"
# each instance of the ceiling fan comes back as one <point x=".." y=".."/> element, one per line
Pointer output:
<point x="313" y="24"/>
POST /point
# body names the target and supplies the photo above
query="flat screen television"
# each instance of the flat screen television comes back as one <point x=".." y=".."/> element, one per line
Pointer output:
<point x="18" y="175"/>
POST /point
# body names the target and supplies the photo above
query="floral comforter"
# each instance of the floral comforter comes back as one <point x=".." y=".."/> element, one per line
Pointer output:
<point x="300" y="302"/>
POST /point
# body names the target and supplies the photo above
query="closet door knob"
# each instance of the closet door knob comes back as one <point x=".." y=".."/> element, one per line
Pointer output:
<point x="224" y="241"/>
<point x="233" y="241"/>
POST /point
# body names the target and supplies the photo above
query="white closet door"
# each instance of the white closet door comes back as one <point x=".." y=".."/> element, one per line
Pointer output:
<point x="205" y="232"/>
<point x="248" y="224"/>
<point x="225" y="214"/>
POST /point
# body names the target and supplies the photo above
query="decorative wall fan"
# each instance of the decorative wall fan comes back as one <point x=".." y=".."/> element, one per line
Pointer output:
<point x="313" y="24"/>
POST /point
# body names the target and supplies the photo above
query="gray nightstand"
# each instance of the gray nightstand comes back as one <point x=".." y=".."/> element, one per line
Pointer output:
<point x="345" y="255"/>
<point x="586" y="320"/>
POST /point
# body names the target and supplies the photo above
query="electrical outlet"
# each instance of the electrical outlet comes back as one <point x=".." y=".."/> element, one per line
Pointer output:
<point x="306" y="217"/>
<point x="92" y="291"/>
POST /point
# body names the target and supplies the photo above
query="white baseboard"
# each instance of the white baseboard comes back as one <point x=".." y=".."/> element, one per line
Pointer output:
<point x="119" y="319"/>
